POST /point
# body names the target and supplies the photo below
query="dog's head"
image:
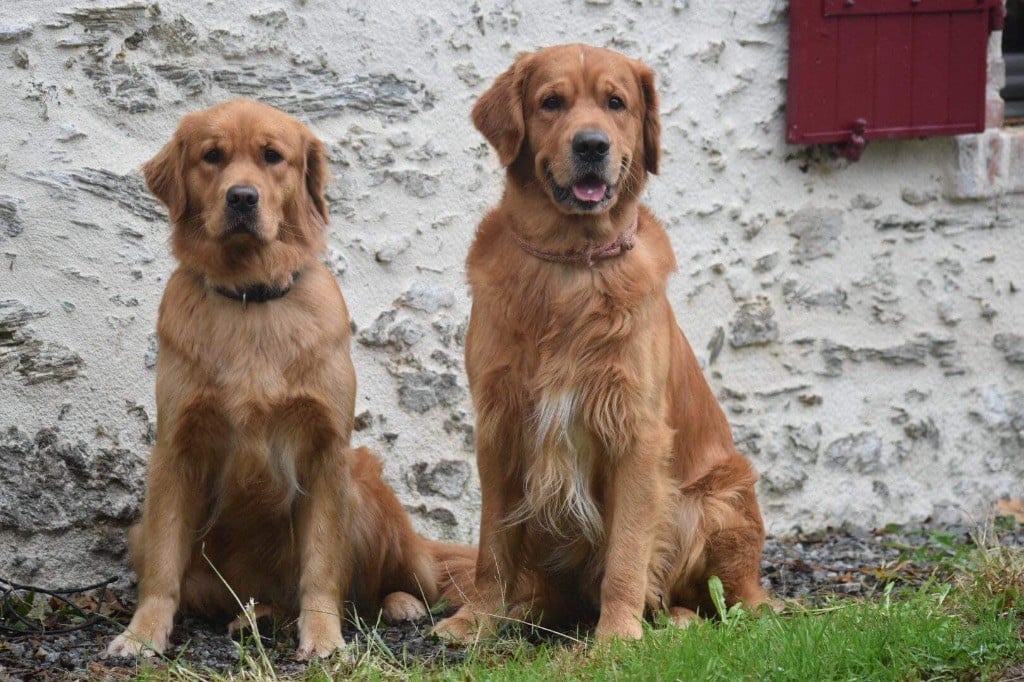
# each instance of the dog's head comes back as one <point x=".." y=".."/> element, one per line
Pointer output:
<point x="583" y="121"/>
<point x="241" y="178"/>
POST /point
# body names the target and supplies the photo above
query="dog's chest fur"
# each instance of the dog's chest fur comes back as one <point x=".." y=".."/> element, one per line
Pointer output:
<point x="263" y="370"/>
<point x="566" y="455"/>
<point x="560" y="478"/>
<point x="582" y="341"/>
<point x="255" y="392"/>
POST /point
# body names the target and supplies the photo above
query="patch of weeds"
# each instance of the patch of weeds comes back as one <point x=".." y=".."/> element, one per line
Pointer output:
<point x="995" y="572"/>
<point x="945" y="552"/>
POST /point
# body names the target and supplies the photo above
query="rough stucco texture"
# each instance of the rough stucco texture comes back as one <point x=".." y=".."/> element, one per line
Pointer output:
<point x="864" y="333"/>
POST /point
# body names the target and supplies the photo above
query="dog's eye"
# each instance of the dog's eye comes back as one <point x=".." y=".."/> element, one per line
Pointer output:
<point x="552" y="103"/>
<point x="213" y="156"/>
<point x="272" y="156"/>
<point x="616" y="103"/>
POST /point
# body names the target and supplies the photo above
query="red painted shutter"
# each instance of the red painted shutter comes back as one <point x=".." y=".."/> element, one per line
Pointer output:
<point x="872" y="69"/>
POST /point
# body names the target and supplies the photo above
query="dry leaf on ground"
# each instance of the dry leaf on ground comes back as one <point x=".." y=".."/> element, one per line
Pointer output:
<point x="1014" y="508"/>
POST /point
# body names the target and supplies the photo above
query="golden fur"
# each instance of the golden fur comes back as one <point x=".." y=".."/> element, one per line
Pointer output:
<point x="252" y="472"/>
<point x="611" y="485"/>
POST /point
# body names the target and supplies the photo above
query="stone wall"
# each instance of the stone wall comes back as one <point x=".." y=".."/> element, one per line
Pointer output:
<point x="861" y="323"/>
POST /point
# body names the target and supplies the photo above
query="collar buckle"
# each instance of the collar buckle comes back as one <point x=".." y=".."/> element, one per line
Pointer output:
<point x="258" y="293"/>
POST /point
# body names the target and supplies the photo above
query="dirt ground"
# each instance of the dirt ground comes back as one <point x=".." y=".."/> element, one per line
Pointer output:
<point x="810" y="567"/>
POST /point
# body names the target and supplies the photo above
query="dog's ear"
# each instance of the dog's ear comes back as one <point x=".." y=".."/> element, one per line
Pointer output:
<point x="652" y="120"/>
<point x="317" y="173"/>
<point x="498" y="114"/>
<point x="165" y="177"/>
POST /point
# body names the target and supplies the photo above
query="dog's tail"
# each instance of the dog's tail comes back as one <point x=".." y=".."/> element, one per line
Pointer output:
<point x="456" y="571"/>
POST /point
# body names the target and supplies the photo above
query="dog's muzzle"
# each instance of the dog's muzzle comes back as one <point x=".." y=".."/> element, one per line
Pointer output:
<point x="242" y="204"/>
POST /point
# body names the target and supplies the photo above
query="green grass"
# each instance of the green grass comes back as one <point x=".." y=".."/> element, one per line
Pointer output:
<point x="915" y="638"/>
<point x="920" y="636"/>
<point x="964" y="624"/>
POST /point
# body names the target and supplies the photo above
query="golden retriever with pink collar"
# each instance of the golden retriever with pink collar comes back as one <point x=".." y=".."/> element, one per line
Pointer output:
<point x="611" y="485"/>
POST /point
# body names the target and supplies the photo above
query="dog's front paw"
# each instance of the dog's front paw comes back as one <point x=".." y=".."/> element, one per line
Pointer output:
<point x="400" y="607"/>
<point x="149" y="631"/>
<point x="463" y="627"/>
<point x="455" y="629"/>
<point x="130" y="643"/>
<point x="624" y="627"/>
<point x="319" y="636"/>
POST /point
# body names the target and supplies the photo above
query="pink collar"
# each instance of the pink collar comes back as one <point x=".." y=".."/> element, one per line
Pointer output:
<point x="589" y="253"/>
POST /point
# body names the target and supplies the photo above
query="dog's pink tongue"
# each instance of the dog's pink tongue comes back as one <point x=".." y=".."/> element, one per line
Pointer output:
<point x="589" y="191"/>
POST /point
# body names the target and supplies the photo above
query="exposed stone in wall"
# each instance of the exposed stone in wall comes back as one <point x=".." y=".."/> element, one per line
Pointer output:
<point x="97" y="23"/>
<point x="422" y="390"/>
<point x="833" y="297"/>
<point x="915" y="352"/>
<point x="387" y="332"/>
<point x="309" y="91"/>
<point x="427" y="297"/>
<point x="783" y="478"/>
<point x="446" y="478"/>
<point x="127" y="191"/>
<point x="817" y="232"/>
<point x="35" y="360"/>
<point x="861" y="453"/>
<point x="52" y="484"/>
<point x="753" y="324"/>
<point x="439" y="521"/>
<point x="917" y="197"/>
<point x="55" y="488"/>
<point x="14" y="31"/>
<point x="461" y="423"/>
<point x="391" y="249"/>
<point x="883" y="286"/>
<point x="11" y="224"/>
<point x="1012" y="347"/>
<point x="791" y="455"/>
<point x="1001" y="414"/>
<point x="125" y="86"/>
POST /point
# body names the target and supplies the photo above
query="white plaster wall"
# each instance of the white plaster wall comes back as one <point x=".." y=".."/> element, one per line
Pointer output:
<point x="869" y="329"/>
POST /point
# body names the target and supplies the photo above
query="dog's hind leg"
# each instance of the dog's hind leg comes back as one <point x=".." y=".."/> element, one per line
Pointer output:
<point x="400" y="607"/>
<point x="203" y="592"/>
<point x="244" y="621"/>
<point x="682" y="617"/>
<point x="732" y="532"/>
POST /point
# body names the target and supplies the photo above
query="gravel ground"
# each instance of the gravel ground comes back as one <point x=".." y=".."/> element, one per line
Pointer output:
<point x="810" y="567"/>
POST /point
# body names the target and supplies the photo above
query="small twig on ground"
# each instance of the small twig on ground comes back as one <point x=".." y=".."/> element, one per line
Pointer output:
<point x="9" y="595"/>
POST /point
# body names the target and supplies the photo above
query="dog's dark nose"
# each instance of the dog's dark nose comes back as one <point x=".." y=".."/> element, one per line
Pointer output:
<point x="243" y="197"/>
<point x="591" y="145"/>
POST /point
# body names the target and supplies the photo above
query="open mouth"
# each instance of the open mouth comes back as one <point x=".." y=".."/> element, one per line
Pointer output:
<point x="588" y="192"/>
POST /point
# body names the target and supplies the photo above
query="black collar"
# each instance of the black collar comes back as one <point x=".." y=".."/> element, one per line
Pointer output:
<point x="258" y="293"/>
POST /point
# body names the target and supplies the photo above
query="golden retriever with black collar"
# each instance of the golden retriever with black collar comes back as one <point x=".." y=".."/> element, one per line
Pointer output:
<point x="252" y="473"/>
<point x="611" y="485"/>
